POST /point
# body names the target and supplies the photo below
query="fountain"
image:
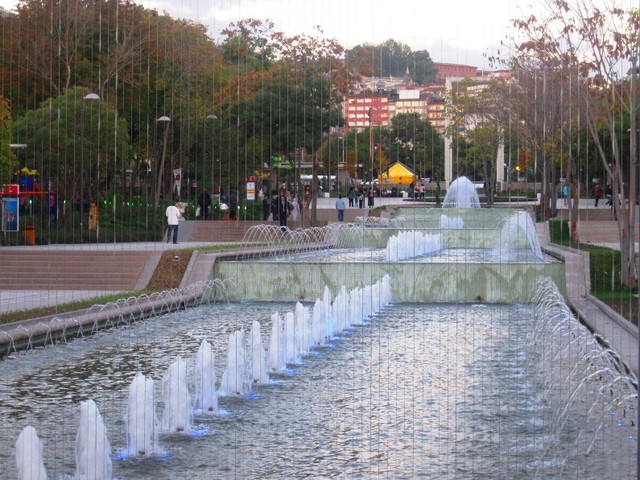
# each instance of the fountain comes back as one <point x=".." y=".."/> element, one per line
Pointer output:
<point x="176" y="417"/>
<point x="461" y="194"/>
<point x="141" y="417"/>
<point x="93" y="450"/>
<point x="29" y="456"/>
<point x="466" y="373"/>
<point x="259" y="365"/>
<point x="236" y="379"/>
<point x="518" y="231"/>
<point x="277" y="353"/>
<point x="205" y="379"/>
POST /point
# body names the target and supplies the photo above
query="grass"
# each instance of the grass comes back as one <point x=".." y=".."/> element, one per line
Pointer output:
<point x="604" y="264"/>
<point x="604" y="270"/>
<point x="20" y="315"/>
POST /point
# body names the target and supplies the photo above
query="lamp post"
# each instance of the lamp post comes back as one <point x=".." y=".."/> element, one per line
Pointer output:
<point x="211" y="117"/>
<point x="355" y="146"/>
<point x="94" y="223"/>
<point x="370" y="115"/>
<point x="341" y="157"/>
<point x="160" y="170"/>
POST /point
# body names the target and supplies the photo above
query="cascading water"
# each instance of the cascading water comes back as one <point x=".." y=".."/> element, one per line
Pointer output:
<point x="93" y="450"/>
<point x="518" y="231"/>
<point x="450" y="223"/>
<point x="412" y="243"/>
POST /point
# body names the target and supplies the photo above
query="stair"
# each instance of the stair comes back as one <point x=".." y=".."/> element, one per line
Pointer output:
<point x="71" y="270"/>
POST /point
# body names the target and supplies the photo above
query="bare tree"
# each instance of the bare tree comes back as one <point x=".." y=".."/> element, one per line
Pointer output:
<point x="602" y="43"/>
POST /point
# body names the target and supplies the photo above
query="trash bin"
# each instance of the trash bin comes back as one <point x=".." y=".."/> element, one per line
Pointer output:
<point x="29" y="233"/>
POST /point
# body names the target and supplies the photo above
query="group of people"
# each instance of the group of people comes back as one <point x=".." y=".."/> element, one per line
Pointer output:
<point x="418" y="190"/>
<point x="356" y="196"/>
<point x="279" y="208"/>
<point x="597" y="194"/>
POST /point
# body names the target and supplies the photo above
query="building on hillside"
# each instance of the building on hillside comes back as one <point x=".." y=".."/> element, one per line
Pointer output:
<point x="362" y="111"/>
<point x="377" y="100"/>
<point x="445" y="70"/>
<point x="407" y="102"/>
<point x="427" y="103"/>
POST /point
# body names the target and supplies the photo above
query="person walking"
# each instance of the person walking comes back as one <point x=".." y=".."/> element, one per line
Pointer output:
<point x="351" y="195"/>
<point x="284" y="208"/>
<point x="173" y="217"/>
<point x="340" y="206"/>
<point x="597" y="193"/>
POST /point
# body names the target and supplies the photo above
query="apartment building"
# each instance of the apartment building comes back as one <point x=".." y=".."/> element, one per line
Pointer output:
<point x="378" y="100"/>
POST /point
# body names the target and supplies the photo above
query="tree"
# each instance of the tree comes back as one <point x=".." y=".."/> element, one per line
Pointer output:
<point x="414" y="142"/>
<point x="598" y="42"/>
<point x="281" y="111"/>
<point x="391" y="58"/>
<point x="8" y="163"/>
<point x="43" y="48"/>
<point x="64" y="145"/>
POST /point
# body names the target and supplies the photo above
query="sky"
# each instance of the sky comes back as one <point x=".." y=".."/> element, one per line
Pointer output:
<point x="454" y="31"/>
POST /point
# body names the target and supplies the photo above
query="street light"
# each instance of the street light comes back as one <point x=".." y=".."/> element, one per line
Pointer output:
<point x="166" y="120"/>
<point x="370" y="115"/>
<point x="211" y="117"/>
<point x="341" y="139"/>
<point x="93" y="207"/>
<point x="355" y="146"/>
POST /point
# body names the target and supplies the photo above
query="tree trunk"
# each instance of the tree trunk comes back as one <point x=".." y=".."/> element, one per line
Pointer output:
<point x="314" y="192"/>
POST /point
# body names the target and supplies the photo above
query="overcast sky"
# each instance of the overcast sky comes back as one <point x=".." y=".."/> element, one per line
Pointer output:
<point x="456" y="31"/>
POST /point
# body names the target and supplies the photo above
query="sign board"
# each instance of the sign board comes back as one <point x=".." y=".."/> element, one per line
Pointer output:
<point x="251" y="190"/>
<point x="10" y="217"/>
<point x="12" y="190"/>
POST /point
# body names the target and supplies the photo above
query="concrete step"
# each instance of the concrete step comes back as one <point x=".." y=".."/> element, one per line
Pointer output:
<point x="80" y="270"/>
